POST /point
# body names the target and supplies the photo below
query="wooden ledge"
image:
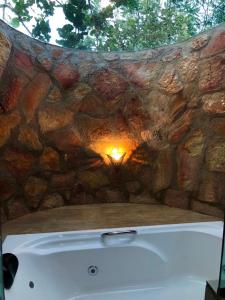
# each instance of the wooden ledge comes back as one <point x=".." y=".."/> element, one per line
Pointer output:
<point x="97" y="216"/>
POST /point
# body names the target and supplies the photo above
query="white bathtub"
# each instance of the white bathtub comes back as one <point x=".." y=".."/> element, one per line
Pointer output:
<point x="159" y="262"/>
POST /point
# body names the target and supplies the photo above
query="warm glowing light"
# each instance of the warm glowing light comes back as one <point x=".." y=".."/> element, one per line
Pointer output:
<point x="116" y="154"/>
<point x="115" y="149"/>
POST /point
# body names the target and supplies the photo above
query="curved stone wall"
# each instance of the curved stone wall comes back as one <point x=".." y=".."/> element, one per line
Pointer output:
<point x="59" y="107"/>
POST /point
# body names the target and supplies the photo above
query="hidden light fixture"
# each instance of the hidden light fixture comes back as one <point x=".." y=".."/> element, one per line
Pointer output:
<point x="114" y="149"/>
<point x="116" y="156"/>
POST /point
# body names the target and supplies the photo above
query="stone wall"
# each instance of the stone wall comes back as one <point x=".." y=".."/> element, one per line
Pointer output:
<point x="56" y="104"/>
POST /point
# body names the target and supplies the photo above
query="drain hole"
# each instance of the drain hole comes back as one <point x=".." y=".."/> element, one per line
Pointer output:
<point x="93" y="270"/>
<point x="31" y="284"/>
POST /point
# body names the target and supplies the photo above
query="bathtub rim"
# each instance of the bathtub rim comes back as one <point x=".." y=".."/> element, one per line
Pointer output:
<point x="13" y="243"/>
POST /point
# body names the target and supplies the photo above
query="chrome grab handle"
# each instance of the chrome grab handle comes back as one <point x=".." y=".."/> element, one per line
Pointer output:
<point x="115" y="233"/>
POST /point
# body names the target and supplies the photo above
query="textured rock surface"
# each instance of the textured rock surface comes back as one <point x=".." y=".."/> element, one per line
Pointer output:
<point x="176" y="198"/>
<point x="211" y="190"/>
<point x="29" y="138"/>
<point x="50" y="159"/>
<point x="34" y="94"/>
<point x="7" y="124"/>
<point x="109" y="84"/>
<point x="51" y="118"/>
<point x="214" y="103"/>
<point x="52" y="201"/>
<point x="211" y="75"/>
<point x="207" y="209"/>
<point x="34" y="189"/>
<point x="4" y="51"/>
<point x="189" y="161"/>
<point x="60" y="110"/>
<point x="216" y="157"/>
<point x="169" y="82"/>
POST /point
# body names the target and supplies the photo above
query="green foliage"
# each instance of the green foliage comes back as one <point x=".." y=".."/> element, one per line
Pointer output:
<point x="41" y="30"/>
<point x="218" y="15"/>
<point x="15" y="22"/>
<point x="122" y="25"/>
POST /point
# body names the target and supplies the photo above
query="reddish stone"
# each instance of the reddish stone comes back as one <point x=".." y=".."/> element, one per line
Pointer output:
<point x="172" y="54"/>
<point x="34" y="94"/>
<point x="169" y="81"/>
<point x="63" y="181"/>
<point x="80" y="92"/>
<point x="92" y="129"/>
<point x="65" y="140"/>
<point x="138" y="123"/>
<point x="66" y="75"/>
<point x="188" y="68"/>
<point x="56" y="53"/>
<point x="175" y="107"/>
<point x="180" y="127"/>
<point x="120" y="124"/>
<point x="164" y="169"/>
<point x="189" y="161"/>
<point x="216" y="45"/>
<point x="192" y="95"/>
<point x="23" y="63"/>
<point x="52" y="118"/>
<point x="22" y="60"/>
<point x="7" y="189"/>
<point x="12" y="93"/>
<point x="133" y="105"/>
<point x="141" y="74"/>
<point x="29" y="138"/>
<point x="109" y="84"/>
<point x="214" y="103"/>
<point x="177" y="199"/>
<point x="156" y="106"/>
<point x="207" y="209"/>
<point x="52" y="201"/>
<point x="18" y="162"/>
<point x="54" y="95"/>
<point x="50" y="159"/>
<point x="200" y="42"/>
<point x="7" y="124"/>
<point x="211" y="74"/>
<point x="80" y="159"/>
<point x="45" y="62"/>
<point x="218" y="126"/>
<point x="93" y="106"/>
<point x="16" y="208"/>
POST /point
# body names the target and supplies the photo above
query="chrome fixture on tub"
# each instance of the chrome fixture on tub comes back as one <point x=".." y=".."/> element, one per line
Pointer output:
<point x="118" y="233"/>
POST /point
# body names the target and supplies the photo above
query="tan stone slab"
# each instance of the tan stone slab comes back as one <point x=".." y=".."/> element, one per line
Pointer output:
<point x="98" y="216"/>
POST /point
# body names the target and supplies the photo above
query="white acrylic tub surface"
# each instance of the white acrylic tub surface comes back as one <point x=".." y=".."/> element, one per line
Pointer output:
<point x="161" y="262"/>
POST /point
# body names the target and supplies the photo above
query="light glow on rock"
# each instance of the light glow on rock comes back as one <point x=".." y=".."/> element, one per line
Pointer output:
<point x="116" y="148"/>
